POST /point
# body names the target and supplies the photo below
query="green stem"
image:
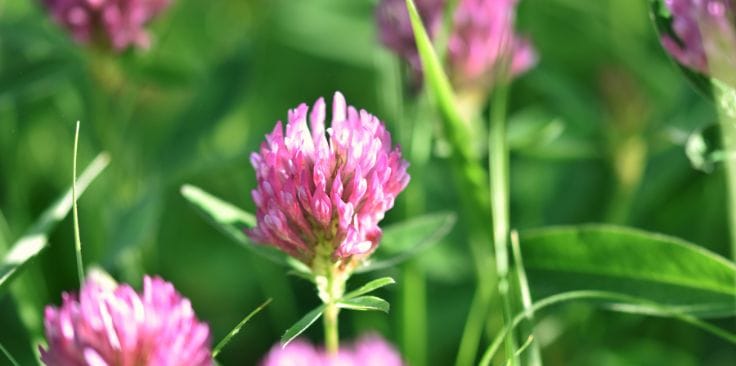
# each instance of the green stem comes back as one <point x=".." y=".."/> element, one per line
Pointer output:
<point x="331" y="287"/>
<point x="728" y="134"/>
<point x="499" y="181"/>
<point x="77" y="241"/>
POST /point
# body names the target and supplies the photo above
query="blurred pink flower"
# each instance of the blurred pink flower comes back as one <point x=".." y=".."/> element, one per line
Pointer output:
<point x="119" y="23"/>
<point x="325" y="190"/>
<point x="106" y="326"/>
<point x="481" y="31"/>
<point x="705" y="33"/>
<point x="394" y="27"/>
<point x="370" y="350"/>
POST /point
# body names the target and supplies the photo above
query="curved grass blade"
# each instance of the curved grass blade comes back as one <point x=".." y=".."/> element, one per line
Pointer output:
<point x="607" y="296"/>
<point x="301" y="325"/>
<point x="236" y="330"/>
<point x="402" y="241"/>
<point x="370" y="287"/>
<point x="658" y="268"/>
<point x="35" y="239"/>
<point x="8" y="356"/>
<point x="230" y="220"/>
<point x="365" y="303"/>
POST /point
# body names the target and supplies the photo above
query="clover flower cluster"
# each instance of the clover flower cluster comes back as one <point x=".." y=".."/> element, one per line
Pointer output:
<point x="482" y="31"/>
<point x="117" y="326"/>
<point x="322" y="191"/>
<point x="118" y="23"/>
<point x="705" y="34"/>
<point x="370" y="350"/>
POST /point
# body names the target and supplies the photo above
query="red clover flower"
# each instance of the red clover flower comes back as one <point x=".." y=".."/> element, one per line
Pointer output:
<point x="118" y="23"/>
<point x="322" y="191"/>
<point x="705" y="33"/>
<point x="119" y="327"/>
<point x="370" y="350"/>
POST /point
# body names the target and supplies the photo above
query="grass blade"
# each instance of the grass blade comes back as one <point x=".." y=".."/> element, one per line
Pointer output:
<point x="36" y="238"/>
<point x="634" y="302"/>
<point x="8" y="356"/>
<point x="236" y="330"/>
<point x="77" y="240"/>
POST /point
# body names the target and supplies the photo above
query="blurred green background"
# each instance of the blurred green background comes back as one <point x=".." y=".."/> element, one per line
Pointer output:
<point x="221" y="73"/>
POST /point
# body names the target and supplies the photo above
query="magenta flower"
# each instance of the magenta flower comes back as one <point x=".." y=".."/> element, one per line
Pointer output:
<point x="395" y="30"/>
<point x="118" y="23"/>
<point x="705" y="33"/>
<point x="322" y="192"/>
<point x="481" y="31"/>
<point x="106" y="326"/>
<point x="370" y="350"/>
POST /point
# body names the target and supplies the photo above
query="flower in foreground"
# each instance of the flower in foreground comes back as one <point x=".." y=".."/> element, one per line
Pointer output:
<point x="117" y="23"/>
<point x="705" y="34"/>
<point x="322" y="191"/>
<point x="370" y="350"/>
<point x="117" y="326"/>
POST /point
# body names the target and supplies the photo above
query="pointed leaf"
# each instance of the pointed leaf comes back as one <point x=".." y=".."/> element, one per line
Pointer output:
<point x="403" y="240"/>
<point x="654" y="267"/>
<point x="365" y="303"/>
<point x="230" y="220"/>
<point x="370" y="287"/>
<point x="300" y="326"/>
<point x="236" y="330"/>
<point x="36" y="238"/>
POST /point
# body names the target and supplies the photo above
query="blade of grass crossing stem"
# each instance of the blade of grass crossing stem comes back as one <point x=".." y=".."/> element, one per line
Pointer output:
<point x="471" y="180"/>
<point x="535" y="356"/>
<point x="77" y="241"/>
<point x="649" y="309"/>
<point x="8" y="356"/>
<point x="36" y="238"/>
<point x="236" y="330"/>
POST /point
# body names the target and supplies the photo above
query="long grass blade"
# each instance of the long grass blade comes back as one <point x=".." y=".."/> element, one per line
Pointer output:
<point x="77" y="240"/>
<point x="8" y="356"/>
<point x="236" y="330"/>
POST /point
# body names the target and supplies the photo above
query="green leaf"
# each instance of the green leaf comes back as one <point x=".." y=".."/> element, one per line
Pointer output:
<point x="370" y="287"/>
<point x="654" y="267"/>
<point x="403" y="240"/>
<point x="365" y="303"/>
<point x="236" y="330"/>
<point x="596" y="296"/>
<point x="36" y="238"/>
<point x="300" y="326"/>
<point x="230" y="220"/>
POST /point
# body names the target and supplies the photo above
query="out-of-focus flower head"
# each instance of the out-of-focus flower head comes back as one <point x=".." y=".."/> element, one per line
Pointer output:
<point x="481" y="31"/>
<point x="369" y="350"/>
<point x="117" y="326"/>
<point x="322" y="191"/>
<point x="395" y="30"/>
<point x="117" y="23"/>
<point x="705" y="34"/>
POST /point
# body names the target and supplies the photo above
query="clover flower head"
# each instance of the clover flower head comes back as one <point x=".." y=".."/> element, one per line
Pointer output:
<point x="117" y="326"/>
<point x="395" y="31"/>
<point x="369" y="350"/>
<point x="323" y="191"/>
<point x="704" y="34"/>
<point x="482" y="31"/>
<point x="119" y="23"/>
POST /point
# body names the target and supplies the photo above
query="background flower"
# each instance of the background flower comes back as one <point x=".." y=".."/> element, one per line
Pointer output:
<point x="369" y="350"/>
<point x="119" y="23"/>
<point x="117" y="326"/>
